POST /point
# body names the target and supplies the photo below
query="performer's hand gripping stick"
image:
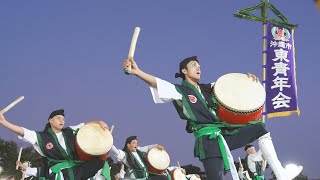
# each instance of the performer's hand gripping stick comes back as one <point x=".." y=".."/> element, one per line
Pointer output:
<point x="127" y="70"/>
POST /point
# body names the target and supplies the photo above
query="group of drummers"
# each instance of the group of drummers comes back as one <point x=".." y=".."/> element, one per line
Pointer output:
<point x="223" y="116"/>
<point x="82" y="151"/>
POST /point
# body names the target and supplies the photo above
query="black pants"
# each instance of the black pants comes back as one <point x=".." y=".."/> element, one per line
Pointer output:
<point x="214" y="166"/>
<point x="84" y="171"/>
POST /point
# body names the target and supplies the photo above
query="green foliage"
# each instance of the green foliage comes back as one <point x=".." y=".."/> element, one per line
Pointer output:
<point x="9" y="154"/>
<point x="264" y="6"/>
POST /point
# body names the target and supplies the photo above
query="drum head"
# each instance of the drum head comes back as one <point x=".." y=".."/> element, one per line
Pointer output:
<point x="194" y="177"/>
<point x="158" y="159"/>
<point x="238" y="92"/>
<point x="178" y="174"/>
<point x="94" y="140"/>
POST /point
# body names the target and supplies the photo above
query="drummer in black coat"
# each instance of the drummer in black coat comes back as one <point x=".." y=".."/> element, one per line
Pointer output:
<point x="194" y="103"/>
<point x="56" y="144"/>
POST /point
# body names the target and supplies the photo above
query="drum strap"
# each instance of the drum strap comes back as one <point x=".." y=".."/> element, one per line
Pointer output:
<point x="215" y="133"/>
<point x="106" y="171"/>
<point x="64" y="164"/>
<point x="168" y="174"/>
<point x="258" y="177"/>
<point x="223" y="125"/>
<point x="132" y="171"/>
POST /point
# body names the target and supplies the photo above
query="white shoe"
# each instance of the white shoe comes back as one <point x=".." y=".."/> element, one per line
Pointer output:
<point x="269" y="153"/>
<point x="293" y="170"/>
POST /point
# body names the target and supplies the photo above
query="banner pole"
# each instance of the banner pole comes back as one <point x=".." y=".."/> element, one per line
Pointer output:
<point x="264" y="62"/>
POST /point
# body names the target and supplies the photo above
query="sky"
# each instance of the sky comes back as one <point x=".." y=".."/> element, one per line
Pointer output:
<point x="69" y="54"/>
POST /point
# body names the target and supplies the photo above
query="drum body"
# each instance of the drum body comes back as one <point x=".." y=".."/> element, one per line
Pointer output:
<point x="157" y="161"/>
<point x="177" y="174"/>
<point x="240" y="98"/>
<point x="93" y="142"/>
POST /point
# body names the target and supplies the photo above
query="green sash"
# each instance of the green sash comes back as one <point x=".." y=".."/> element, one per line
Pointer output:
<point x="214" y="132"/>
<point x="65" y="164"/>
<point x="259" y="177"/>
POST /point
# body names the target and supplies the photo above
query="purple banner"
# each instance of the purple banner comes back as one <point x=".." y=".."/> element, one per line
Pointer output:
<point x="281" y="86"/>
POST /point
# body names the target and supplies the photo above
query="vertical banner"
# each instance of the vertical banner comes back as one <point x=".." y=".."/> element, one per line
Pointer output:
<point x="280" y="81"/>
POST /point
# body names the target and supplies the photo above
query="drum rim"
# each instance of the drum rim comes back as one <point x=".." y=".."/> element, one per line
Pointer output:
<point x="239" y="111"/>
<point x="153" y="149"/>
<point x="174" y="172"/>
<point x="86" y="150"/>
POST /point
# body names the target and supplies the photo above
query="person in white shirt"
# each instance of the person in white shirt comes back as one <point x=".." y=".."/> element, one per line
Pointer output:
<point x="195" y="104"/>
<point x="134" y="158"/>
<point x="255" y="163"/>
<point x="57" y="145"/>
<point x="26" y="169"/>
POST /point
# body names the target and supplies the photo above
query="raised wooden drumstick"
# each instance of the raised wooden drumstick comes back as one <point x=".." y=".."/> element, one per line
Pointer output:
<point x="127" y="70"/>
<point x="240" y="164"/>
<point x="245" y="172"/>
<point x="12" y="104"/>
<point x="111" y="129"/>
<point x="19" y="156"/>
<point x="178" y="164"/>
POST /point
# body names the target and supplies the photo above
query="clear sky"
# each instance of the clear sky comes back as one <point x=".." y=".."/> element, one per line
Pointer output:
<point x="69" y="54"/>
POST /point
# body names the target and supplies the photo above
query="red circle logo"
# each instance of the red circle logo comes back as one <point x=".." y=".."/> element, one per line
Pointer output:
<point x="192" y="98"/>
<point x="49" y="145"/>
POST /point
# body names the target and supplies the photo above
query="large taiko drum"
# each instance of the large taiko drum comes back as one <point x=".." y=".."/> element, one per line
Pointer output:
<point x="93" y="142"/>
<point x="240" y="98"/>
<point x="178" y="174"/>
<point x="157" y="161"/>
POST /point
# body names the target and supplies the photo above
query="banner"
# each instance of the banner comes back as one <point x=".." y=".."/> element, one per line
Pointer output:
<point x="281" y="88"/>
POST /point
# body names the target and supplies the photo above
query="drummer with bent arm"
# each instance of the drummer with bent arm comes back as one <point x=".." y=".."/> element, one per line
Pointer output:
<point x="193" y="102"/>
<point x="134" y="158"/>
<point x="57" y="145"/>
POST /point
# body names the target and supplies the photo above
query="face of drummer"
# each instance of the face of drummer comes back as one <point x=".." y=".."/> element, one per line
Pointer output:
<point x="251" y="150"/>
<point x="192" y="72"/>
<point x="132" y="146"/>
<point x="57" y="123"/>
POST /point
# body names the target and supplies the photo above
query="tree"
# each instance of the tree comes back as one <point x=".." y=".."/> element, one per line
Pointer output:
<point x="9" y="155"/>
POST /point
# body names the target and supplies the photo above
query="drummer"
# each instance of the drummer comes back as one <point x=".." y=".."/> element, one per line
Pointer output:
<point x="134" y="158"/>
<point x="26" y="169"/>
<point x="177" y="173"/>
<point x="56" y="143"/>
<point x="194" y="103"/>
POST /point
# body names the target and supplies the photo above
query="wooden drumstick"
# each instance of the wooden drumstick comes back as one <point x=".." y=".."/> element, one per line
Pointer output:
<point x="245" y="172"/>
<point x="127" y="70"/>
<point x="12" y="104"/>
<point x="178" y="164"/>
<point x="19" y="158"/>
<point x="240" y="162"/>
<point x="111" y="129"/>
